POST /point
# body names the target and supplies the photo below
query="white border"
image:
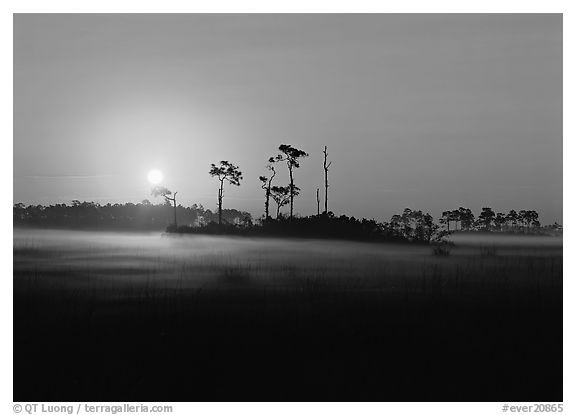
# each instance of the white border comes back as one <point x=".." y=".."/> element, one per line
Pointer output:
<point x="301" y="6"/>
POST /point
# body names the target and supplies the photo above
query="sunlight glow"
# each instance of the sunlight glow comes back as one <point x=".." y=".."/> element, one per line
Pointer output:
<point x="155" y="176"/>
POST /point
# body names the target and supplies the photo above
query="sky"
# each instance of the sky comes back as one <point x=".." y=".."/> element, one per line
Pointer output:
<point x="431" y="112"/>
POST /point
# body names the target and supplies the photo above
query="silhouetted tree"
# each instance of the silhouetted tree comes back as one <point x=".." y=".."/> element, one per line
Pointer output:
<point x="19" y="212"/>
<point x="528" y="218"/>
<point x="446" y="218"/>
<point x="318" y="200"/>
<point x="226" y="171"/>
<point x="512" y="219"/>
<point x="326" y="167"/>
<point x="522" y="219"/>
<point x="461" y="216"/>
<point x="486" y="218"/>
<point x="267" y="185"/>
<point x="406" y="219"/>
<point x="164" y="192"/>
<point x="534" y="217"/>
<point x="414" y="225"/>
<point x="500" y="221"/>
<point x="396" y="224"/>
<point x="281" y="195"/>
<point x="466" y="218"/>
<point x="291" y="156"/>
<point x="455" y="217"/>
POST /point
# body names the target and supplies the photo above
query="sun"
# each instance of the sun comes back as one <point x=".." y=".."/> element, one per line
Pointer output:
<point x="155" y="176"/>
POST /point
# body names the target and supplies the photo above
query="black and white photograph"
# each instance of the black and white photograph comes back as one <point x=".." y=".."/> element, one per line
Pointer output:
<point x="288" y="207"/>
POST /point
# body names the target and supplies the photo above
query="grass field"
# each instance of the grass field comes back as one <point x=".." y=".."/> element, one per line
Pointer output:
<point x="141" y="317"/>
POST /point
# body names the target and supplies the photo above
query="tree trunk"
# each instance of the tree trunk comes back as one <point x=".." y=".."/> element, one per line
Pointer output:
<point x="220" y="191"/>
<point x="267" y="203"/>
<point x="268" y="190"/>
<point x="326" y="166"/>
<point x="318" y="200"/>
<point x="291" y="192"/>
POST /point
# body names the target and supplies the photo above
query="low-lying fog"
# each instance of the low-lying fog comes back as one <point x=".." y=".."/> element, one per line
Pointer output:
<point x="197" y="259"/>
<point x="194" y="245"/>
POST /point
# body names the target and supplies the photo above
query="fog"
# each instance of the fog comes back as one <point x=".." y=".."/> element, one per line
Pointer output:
<point x="186" y="246"/>
<point x="506" y="240"/>
<point x="121" y="254"/>
<point x="80" y="257"/>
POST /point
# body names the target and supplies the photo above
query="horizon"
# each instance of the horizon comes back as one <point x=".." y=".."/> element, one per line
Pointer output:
<point x="430" y="112"/>
<point x="284" y="212"/>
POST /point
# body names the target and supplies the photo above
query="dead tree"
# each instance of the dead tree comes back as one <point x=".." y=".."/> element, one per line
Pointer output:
<point x="267" y="185"/>
<point x="165" y="193"/>
<point x="326" y="167"/>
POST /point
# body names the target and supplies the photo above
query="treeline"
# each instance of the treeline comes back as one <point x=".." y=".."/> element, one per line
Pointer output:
<point x="143" y="216"/>
<point x="409" y="226"/>
<point x="413" y="226"/>
<point x="420" y="228"/>
<point x="463" y="219"/>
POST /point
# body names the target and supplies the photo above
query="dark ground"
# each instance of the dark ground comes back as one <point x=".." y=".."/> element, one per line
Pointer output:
<point x="469" y="327"/>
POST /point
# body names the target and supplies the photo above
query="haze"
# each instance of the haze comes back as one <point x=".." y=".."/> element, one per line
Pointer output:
<point x="430" y="112"/>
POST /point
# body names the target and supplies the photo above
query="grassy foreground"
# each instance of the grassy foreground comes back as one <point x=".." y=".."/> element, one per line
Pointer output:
<point x="170" y="320"/>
